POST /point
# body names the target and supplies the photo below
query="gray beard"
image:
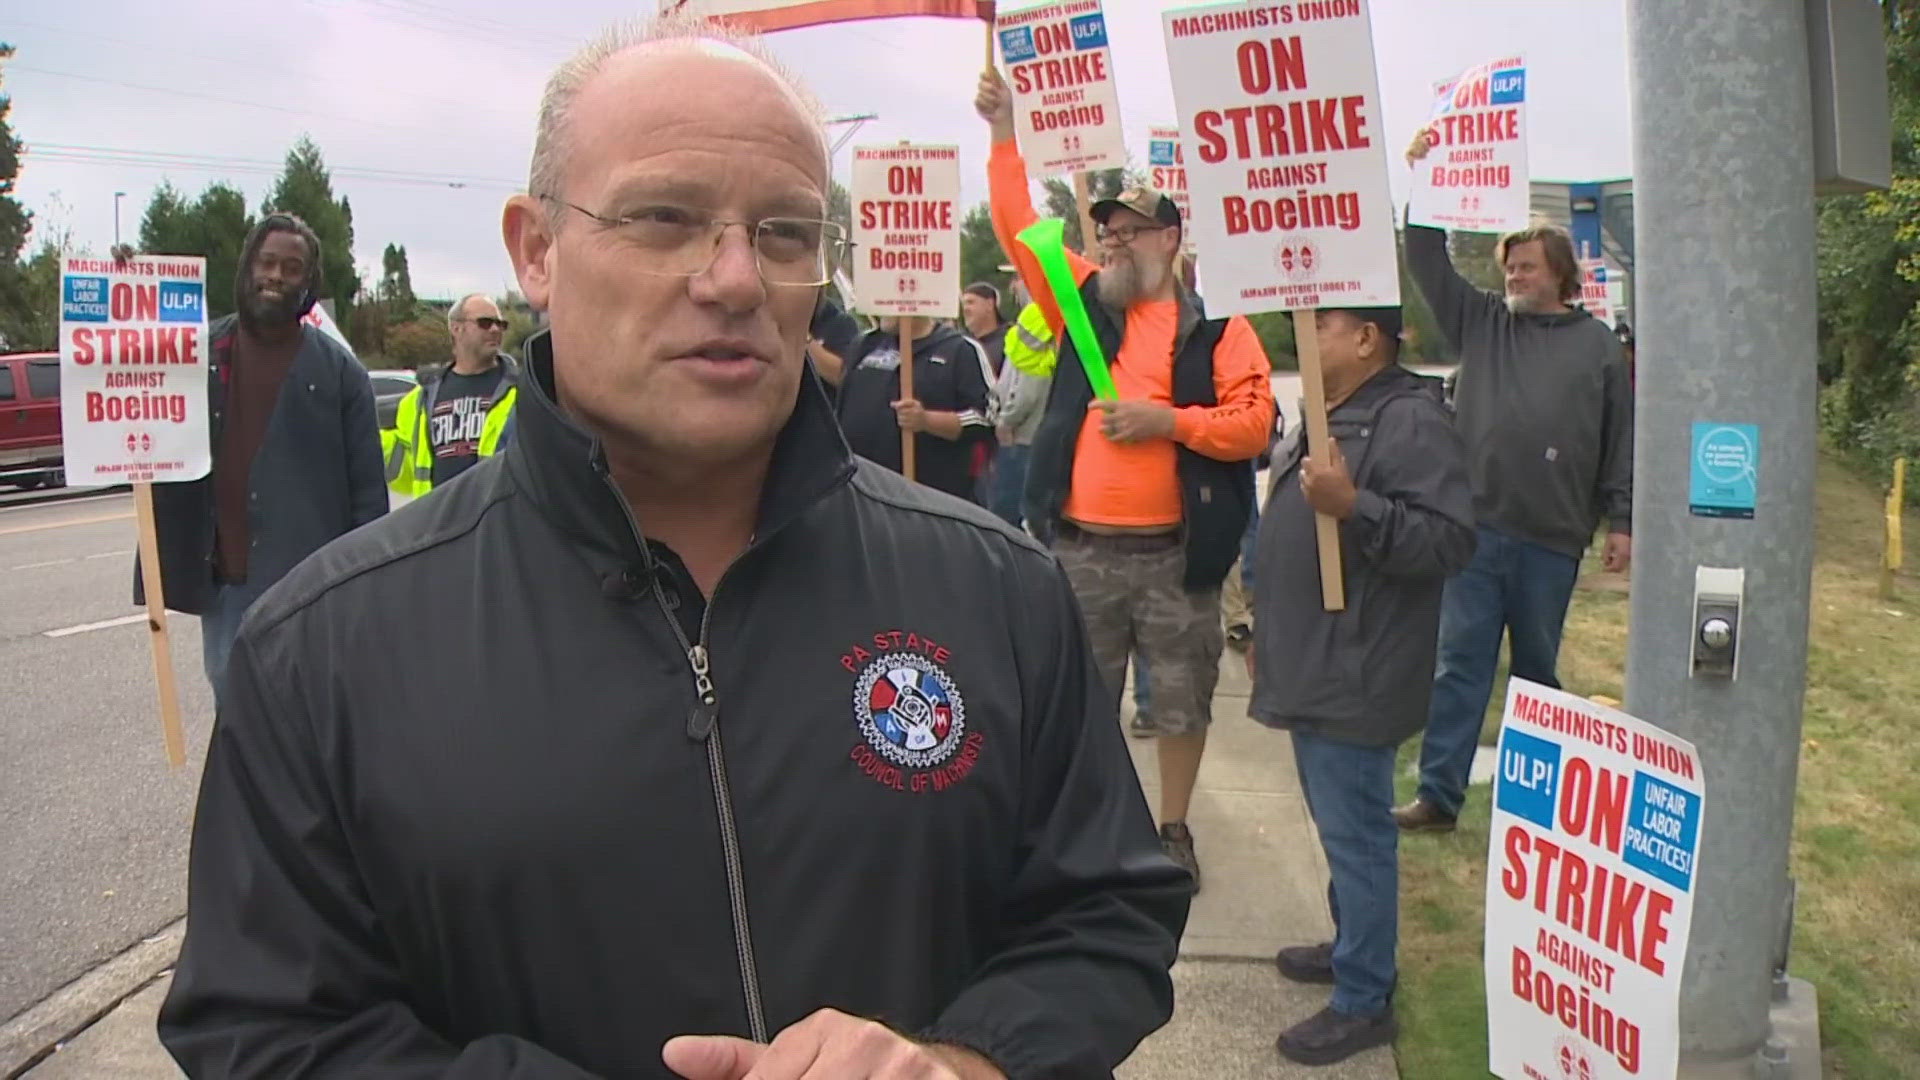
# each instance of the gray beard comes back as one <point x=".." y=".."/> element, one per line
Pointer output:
<point x="1123" y="283"/>
<point x="1522" y="305"/>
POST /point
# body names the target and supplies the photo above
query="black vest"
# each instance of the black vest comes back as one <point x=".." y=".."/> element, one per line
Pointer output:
<point x="1216" y="497"/>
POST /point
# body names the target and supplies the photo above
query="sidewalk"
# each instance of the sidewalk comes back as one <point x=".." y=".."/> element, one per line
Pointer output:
<point x="1265" y="887"/>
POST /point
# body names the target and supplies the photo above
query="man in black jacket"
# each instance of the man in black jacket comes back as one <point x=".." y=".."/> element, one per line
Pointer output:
<point x="780" y="763"/>
<point x="296" y="447"/>
<point x="1353" y="684"/>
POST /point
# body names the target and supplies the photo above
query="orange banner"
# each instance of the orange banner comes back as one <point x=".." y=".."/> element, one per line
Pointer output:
<point x="769" y="15"/>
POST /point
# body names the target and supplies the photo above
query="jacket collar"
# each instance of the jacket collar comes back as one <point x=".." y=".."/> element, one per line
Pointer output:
<point x="564" y="468"/>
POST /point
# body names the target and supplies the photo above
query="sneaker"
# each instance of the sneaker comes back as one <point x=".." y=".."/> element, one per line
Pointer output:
<point x="1307" y="963"/>
<point x="1239" y="636"/>
<point x="1177" y="840"/>
<point x="1328" y="1036"/>
<point x="1142" y="727"/>
<point x="1422" y="816"/>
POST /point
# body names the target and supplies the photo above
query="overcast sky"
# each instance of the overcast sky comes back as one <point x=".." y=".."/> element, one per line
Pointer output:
<point x="449" y="94"/>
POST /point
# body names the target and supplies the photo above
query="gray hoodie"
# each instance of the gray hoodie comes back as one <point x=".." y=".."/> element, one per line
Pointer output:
<point x="1544" y="406"/>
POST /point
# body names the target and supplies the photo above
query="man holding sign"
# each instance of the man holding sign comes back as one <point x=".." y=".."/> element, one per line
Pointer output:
<point x="296" y="448"/>
<point x="1351" y="685"/>
<point x="1545" y="407"/>
<point x="1144" y="493"/>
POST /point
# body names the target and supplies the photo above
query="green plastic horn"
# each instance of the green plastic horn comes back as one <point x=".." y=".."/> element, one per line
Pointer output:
<point x="1046" y="238"/>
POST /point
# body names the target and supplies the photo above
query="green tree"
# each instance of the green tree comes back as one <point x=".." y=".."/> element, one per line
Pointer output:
<point x="521" y="322"/>
<point x="20" y="305"/>
<point x="981" y="256"/>
<point x="35" y="324"/>
<point x="396" y="284"/>
<point x="305" y="189"/>
<point x="1472" y="254"/>
<point x="1868" y="281"/>
<point x="420" y="343"/>
<point x="1101" y="184"/>
<point x="1421" y="341"/>
<point x="215" y="225"/>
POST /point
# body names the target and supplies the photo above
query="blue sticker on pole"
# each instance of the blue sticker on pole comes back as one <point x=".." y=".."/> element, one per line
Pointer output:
<point x="1726" y="462"/>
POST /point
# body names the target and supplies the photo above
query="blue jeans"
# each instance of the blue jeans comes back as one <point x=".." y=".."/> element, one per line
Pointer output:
<point x="1511" y="587"/>
<point x="1009" y="482"/>
<point x="218" y="624"/>
<point x="1141" y="693"/>
<point x="1349" y="792"/>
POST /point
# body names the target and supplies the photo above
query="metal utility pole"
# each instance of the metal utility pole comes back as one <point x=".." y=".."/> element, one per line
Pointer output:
<point x="1724" y="182"/>
<point x="117" y="196"/>
<point x="1724" y="206"/>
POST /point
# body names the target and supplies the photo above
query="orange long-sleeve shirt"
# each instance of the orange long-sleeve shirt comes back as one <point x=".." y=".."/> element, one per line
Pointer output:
<point x="1136" y="485"/>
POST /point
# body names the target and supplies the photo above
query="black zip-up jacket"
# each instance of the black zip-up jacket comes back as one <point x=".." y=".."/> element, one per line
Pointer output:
<point x="1364" y="674"/>
<point x="495" y="794"/>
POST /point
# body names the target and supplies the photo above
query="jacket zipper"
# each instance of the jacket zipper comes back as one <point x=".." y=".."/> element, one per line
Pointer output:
<point x="703" y="724"/>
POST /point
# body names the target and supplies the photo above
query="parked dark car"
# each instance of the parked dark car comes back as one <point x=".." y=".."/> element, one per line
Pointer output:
<point x="31" y="452"/>
<point x="388" y="388"/>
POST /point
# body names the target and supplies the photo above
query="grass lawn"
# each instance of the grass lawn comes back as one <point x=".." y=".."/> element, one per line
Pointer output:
<point x="1856" y="843"/>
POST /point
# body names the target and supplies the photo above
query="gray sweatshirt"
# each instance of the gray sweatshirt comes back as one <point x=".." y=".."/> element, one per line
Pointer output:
<point x="1543" y="404"/>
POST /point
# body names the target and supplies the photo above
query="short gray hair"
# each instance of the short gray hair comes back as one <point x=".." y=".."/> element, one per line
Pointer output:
<point x="550" y="143"/>
<point x="459" y="308"/>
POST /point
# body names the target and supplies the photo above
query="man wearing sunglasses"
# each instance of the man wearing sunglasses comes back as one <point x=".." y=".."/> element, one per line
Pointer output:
<point x="453" y="419"/>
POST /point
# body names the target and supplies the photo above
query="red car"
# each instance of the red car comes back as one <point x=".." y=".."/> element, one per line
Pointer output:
<point x="31" y="453"/>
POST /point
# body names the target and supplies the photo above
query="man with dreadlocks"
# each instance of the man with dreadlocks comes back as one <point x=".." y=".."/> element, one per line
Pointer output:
<point x="296" y="448"/>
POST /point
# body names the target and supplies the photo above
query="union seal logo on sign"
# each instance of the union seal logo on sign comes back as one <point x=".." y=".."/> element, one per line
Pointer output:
<point x="1572" y="1059"/>
<point x="909" y="711"/>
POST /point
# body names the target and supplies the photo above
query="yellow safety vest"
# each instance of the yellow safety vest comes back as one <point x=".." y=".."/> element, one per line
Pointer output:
<point x="1030" y="343"/>
<point x="410" y="457"/>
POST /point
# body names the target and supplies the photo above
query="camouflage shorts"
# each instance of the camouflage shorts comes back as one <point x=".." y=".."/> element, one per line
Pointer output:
<point x="1130" y="594"/>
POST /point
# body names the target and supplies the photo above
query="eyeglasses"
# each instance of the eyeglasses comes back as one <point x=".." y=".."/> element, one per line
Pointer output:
<point x="487" y="322"/>
<point x="1125" y="234"/>
<point x="678" y="242"/>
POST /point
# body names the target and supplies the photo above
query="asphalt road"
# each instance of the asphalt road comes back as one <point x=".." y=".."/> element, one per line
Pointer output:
<point x="93" y="822"/>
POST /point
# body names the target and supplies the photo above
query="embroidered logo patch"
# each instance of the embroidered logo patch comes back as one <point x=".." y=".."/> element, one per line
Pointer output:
<point x="911" y="717"/>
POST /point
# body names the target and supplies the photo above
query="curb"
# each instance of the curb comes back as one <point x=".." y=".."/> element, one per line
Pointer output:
<point x="29" y="1037"/>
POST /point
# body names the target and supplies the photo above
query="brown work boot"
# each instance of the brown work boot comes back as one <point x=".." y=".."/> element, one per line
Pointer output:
<point x="1422" y="816"/>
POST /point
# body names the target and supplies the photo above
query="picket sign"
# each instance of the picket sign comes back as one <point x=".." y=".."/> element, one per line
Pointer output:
<point x="133" y="406"/>
<point x="1287" y="179"/>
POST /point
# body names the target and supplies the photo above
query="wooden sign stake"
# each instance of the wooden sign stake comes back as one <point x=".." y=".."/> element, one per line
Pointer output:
<point x="157" y="627"/>
<point x="1083" y="202"/>
<point x="1327" y="530"/>
<point x="989" y="26"/>
<point x="907" y="438"/>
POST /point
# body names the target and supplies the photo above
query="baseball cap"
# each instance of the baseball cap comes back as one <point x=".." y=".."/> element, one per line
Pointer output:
<point x="1142" y="200"/>
<point x="1388" y="319"/>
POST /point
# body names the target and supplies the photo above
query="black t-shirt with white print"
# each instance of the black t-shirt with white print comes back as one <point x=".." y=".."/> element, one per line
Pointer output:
<point x="460" y="404"/>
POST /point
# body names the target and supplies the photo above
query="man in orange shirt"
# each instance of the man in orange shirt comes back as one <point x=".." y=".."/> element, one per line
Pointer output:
<point x="1143" y="499"/>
